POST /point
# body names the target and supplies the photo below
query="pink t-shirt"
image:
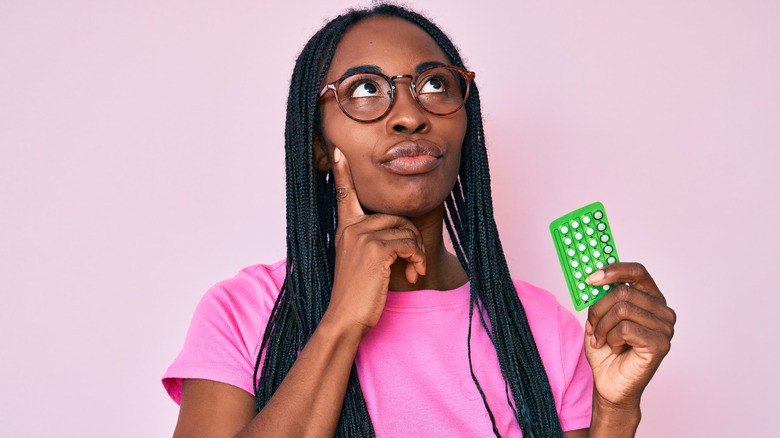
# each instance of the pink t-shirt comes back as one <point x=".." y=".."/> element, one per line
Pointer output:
<point x="413" y="366"/>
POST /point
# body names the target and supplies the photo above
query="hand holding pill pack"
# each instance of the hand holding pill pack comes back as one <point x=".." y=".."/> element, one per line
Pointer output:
<point x="584" y="242"/>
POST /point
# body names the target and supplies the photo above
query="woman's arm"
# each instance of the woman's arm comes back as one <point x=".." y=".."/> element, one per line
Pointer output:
<point x="627" y="335"/>
<point x="213" y="409"/>
<point x="310" y="398"/>
<point x="308" y="402"/>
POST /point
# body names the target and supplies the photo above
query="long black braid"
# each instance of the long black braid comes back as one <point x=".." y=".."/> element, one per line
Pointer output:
<point x="311" y="227"/>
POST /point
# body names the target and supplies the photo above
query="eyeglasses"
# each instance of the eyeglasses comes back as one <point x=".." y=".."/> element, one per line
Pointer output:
<point x="368" y="96"/>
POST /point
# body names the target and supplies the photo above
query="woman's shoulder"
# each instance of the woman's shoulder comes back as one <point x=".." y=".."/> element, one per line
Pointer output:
<point x="226" y="330"/>
<point x="235" y="311"/>
<point x="257" y="284"/>
<point x="258" y="276"/>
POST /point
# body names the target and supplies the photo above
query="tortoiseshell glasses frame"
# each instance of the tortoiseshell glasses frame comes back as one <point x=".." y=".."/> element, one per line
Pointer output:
<point x="466" y="78"/>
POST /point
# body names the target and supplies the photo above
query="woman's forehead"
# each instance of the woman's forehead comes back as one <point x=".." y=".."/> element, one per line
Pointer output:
<point x="393" y="44"/>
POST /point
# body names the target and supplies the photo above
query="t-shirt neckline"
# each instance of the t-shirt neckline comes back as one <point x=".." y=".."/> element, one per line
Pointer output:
<point x="428" y="298"/>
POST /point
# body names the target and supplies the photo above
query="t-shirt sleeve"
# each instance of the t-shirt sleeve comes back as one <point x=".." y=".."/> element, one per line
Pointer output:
<point x="577" y="398"/>
<point x="224" y="336"/>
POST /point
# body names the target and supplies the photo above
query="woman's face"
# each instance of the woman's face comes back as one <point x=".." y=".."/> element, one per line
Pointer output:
<point x="406" y="163"/>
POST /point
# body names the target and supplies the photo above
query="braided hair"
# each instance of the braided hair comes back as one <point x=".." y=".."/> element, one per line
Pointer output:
<point x="311" y="226"/>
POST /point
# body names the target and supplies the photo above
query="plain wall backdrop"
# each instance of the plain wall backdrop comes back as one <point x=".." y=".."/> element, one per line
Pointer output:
<point x="141" y="161"/>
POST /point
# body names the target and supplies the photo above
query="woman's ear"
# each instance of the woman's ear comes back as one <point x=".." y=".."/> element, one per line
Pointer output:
<point x="320" y="154"/>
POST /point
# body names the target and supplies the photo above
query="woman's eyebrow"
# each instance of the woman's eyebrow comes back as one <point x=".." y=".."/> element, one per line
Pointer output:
<point x="375" y="69"/>
<point x="362" y="69"/>
<point x="424" y="65"/>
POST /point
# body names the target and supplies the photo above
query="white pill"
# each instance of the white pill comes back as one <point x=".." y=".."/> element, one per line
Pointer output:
<point x="595" y="292"/>
<point x="588" y="270"/>
<point x="581" y="286"/>
<point x="581" y="247"/>
<point x="593" y="242"/>
<point x="574" y="263"/>
<point x="585" y="259"/>
<point x="575" y="224"/>
<point x="610" y="260"/>
<point x="597" y="253"/>
<point x="598" y="214"/>
<point x="578" y="236"/>
<point x="586" y="220"/>
<point x="599" y="265"/>
<point x="584" y="297"/>
<point x="578" y="275"/>
<point x="605" y="238"/>
<point x="608" y="249"/>
<point x="606" y="287"/>
<point x="567" y="240"/>
<point x="589" y="231"/>
<point x="564" y="229"/>
<point x="601" y="226"/>
<point x="571" y="252"/>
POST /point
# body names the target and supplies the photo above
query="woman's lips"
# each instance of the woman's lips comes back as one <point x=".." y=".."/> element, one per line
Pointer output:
<point x="411" y="158"/>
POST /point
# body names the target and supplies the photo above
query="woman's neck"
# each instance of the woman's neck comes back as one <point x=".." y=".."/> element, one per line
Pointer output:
<point x="443" y="270"/>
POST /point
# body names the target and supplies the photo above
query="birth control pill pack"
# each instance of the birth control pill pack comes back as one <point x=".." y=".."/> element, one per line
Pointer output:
<point x="584" y="242"/>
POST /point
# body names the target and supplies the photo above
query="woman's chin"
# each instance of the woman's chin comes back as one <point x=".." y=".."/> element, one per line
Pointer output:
<point x="411" y="210"/>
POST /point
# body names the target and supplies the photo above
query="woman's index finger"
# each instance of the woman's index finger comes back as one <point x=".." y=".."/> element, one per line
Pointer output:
<point x="346" y="196"/>
<point x="632" y="273"/>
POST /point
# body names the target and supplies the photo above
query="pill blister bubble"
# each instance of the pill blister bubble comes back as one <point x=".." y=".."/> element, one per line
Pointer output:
<point x="598" y="214"/>
<point x="584" y="297"/>
<point x="567" y="240"/>
<point x="600" y="265"/>
<point x="605" y="238"/>
<point x="585" y="259"/>
<point x="595" y="292"/>
<point x="578" y="236"/>
<point x="593" y="242"/>
<point x="586" y="219"/>
<point x="606" y="287"/>
<point x="597" y="253"/>
<point x="581" y="247"/>
<point x="608" y="249"/>
<point x="601" y="226"/>
<point x="578" y="275"/>
<point x="589" y="231"/>
<point x="564" y="229"/>
<point x="575" y="224"/>
<point x="610" y="259"/>
<point x="571" y="252"/>
<point x="574" y="263"/>
<point x="588" y="270"/>
<point x="581" y="286"/>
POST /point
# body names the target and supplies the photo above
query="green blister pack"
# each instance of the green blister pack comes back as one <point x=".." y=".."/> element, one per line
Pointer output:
<point x="584" y="243"/>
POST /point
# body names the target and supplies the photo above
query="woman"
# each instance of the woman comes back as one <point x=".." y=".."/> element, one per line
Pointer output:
<point x="375" y="166"/>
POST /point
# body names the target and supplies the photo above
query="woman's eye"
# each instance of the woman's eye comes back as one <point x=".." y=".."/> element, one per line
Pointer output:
<point x="433" y="85"/>
<point x="365" y="89"/>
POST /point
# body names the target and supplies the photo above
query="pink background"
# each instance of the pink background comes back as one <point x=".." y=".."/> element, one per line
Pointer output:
<point x="141" y="162"/>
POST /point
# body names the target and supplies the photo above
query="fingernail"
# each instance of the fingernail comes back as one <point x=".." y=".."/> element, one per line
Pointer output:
<point x="336" y="155"/>
<point x="595" y="277"/>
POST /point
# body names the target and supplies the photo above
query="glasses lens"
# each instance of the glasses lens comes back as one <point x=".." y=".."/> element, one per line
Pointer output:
<point x="364" y="96"/>
<point x="441" y="90"/>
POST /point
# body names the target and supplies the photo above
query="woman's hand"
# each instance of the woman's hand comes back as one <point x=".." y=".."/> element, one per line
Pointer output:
<point x="627" y="334"/>
<point x="366" y="248"/>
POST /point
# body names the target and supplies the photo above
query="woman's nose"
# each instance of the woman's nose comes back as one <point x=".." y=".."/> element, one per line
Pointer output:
<point x="406" y="115"/>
